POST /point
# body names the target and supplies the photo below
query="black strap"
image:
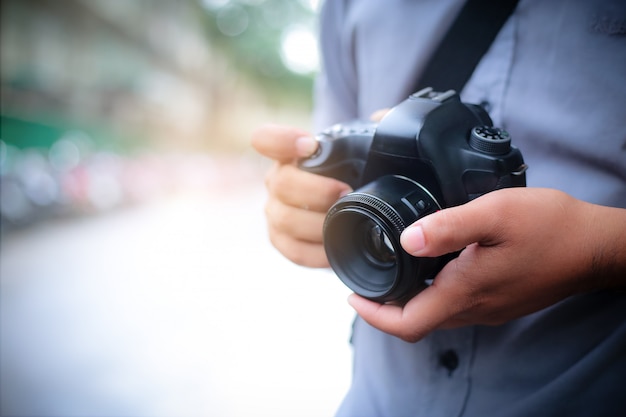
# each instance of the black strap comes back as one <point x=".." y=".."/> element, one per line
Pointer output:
<point x="467" y="40"/>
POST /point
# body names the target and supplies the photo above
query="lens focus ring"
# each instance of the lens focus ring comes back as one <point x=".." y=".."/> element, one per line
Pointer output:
<point x="368" y="201"/>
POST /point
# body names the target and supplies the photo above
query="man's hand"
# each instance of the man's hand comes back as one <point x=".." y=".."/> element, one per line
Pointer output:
<point x="298" y="200"/>
<point x="525" y="249"/>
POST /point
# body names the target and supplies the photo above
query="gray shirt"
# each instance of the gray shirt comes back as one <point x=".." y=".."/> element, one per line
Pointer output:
<point x="555" y="78"/>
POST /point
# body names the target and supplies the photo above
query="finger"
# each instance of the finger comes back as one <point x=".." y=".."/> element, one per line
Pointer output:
<point x="452" y="229"/>
<point x="378" y="115"/>
<point x="421" y="315"/>
<point x="303" y="189"/>
<point x="283" y="143"/>
<point x="300" y="252"/>
<point x="298" y="223"/>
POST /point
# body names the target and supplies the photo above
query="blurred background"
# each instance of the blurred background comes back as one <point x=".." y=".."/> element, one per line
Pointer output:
<point x="136" y="277"/>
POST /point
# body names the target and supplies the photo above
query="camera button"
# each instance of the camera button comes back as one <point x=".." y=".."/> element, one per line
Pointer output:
<point x="490" y="140"/>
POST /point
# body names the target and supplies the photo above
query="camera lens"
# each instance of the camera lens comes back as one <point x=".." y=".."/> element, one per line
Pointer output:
<point x="362" y="239"/>
<point x="378" y="246"/>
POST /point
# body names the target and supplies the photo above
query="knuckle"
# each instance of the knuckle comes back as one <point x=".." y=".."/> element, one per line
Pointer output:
<point x="282" y="181"/>
<point x="269" y="211"/>
<point x="410" y="338"/>
<point x="281" y="242"/>
<point x="256" y="137"/>
<point x="410" y="331"/>
<point x="327" y="192"/>
<point x="294" y="250"/>
<point x="259" y="137"/>
<point x="412" y="335"/>
<point x="297" y="258"/>
<point x="331" y="194"/>
<point x="270" y="177"/>
<point x="278" y="216"/>
<point x="274" y="240"/>
<point x="446" y="224"/>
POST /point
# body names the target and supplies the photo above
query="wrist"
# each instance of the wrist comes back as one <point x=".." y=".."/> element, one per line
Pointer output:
<point x="606" y="240"/>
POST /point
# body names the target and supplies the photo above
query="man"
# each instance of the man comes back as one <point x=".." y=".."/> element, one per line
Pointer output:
<point x="530" y="319"/>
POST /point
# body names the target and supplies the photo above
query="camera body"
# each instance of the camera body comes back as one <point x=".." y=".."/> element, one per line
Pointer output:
<point x="430" y="152"/>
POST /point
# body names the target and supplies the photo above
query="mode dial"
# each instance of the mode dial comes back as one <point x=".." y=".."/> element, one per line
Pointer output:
<point x="490" y="140"/>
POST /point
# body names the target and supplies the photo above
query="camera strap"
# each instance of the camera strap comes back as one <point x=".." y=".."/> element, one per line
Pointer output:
<point x="465" y="43"/>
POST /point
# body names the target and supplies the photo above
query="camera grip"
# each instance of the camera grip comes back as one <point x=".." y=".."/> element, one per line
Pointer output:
<point x="342" y="152"/>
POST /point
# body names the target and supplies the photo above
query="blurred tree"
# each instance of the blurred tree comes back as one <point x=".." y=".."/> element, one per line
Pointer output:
<point x="188" y="74"/>
<point x="251" y="34"/>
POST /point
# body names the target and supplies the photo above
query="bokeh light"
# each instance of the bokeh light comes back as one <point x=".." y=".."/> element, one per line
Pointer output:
<point x="300" y="50"/>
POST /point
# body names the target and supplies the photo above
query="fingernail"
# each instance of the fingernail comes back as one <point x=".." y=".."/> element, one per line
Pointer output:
<point x="351" y="299"/>
<point x="412" y="240"/>
<point x="306" y="146"/>
<point x="345" y="192"/>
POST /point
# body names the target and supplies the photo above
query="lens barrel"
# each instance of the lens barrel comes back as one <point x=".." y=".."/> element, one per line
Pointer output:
<point x="362" y="239"/>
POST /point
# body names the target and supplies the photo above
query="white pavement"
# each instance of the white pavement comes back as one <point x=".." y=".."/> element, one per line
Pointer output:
<point x="179" y="307"/>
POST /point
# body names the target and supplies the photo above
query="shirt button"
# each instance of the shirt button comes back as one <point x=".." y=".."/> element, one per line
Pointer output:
<point x="449" y="360"/>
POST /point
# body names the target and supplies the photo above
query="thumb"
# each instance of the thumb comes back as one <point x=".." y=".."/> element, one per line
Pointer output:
<point x="283" y="143"/>
<point x="454" y="228"/>
<point x="421" y="315"/>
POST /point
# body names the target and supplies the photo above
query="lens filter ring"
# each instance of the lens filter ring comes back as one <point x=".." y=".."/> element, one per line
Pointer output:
<point x="376" y="205"/>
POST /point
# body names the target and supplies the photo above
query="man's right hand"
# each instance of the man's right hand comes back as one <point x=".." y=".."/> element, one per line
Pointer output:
<point x="298" y="200"/>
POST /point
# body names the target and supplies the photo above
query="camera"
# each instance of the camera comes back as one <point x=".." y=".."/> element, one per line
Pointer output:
<point x="430" y="152"/>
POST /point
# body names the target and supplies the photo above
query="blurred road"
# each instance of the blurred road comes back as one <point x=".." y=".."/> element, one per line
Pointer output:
<point x="175" y="307"/>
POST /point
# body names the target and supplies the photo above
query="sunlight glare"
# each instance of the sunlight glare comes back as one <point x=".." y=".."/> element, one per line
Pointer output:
<point x="299" y="50"/>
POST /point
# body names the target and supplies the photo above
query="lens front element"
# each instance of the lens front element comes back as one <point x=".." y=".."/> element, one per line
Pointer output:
<point x="362" y="239"/>
<point x="378" y="247"/>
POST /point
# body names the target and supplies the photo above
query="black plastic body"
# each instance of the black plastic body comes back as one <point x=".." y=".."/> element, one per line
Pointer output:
<point x="430" y="152"/>
<point x="425" y="138"/>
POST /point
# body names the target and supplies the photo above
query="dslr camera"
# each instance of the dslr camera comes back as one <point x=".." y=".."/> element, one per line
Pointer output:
<point x="430" y="152"/>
